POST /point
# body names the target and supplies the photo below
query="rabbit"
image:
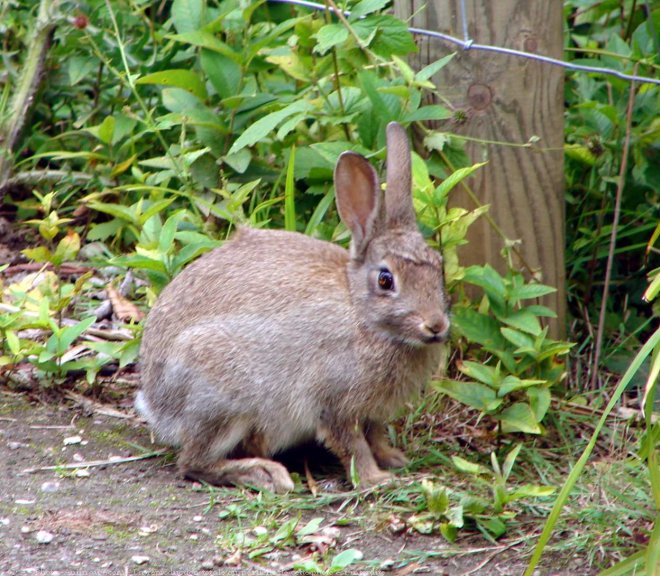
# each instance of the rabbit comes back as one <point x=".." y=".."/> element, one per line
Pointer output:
<point x="276" y="338"/>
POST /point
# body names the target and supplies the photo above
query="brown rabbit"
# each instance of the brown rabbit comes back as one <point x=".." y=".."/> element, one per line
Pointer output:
<point x="277" y="338"/>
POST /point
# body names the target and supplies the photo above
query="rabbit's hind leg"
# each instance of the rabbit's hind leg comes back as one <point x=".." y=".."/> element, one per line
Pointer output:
<point x="387" y="456"/>
<point x="202" y="458"/>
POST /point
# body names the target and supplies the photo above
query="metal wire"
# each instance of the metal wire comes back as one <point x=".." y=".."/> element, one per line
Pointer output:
<point x="469" y="44"/>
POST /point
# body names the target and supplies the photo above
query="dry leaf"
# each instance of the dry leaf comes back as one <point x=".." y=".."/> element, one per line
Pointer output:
<point x="123" y="308"/>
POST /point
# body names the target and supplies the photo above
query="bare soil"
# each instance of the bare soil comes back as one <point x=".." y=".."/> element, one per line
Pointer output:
<point x="138" y="517"/>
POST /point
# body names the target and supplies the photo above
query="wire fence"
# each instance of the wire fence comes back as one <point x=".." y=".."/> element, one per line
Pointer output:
<point x="468" y="44"/>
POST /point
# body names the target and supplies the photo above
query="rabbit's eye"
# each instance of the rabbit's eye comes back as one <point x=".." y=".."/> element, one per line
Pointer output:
<point x="385" y="280"/>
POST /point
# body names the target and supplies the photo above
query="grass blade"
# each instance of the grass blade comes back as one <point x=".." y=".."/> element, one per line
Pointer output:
<point x="289" y="190"/>
<point x="651" y="343"/>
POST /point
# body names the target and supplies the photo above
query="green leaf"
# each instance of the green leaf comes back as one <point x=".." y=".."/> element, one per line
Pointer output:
<point x="471" y="393"/>
<point x="263" y="126"/>
<point x="59" y="343"/>
<point x="519" y="418"/>
<point x="437" y="500"/>
<point x="511" y="383"/>
<point x="344" y="559"/>
<point x="204" y="39"/>
<point x="456" y="177"/>
<point x="38" y="254"/>
<point x="329" y="36"/>
<point x="188" y="15"/>
<point x="478" y="328"/>
<point x="524" y="320"/>
<point x="104" y="130"/>
<point x="428" y="71"/>
<point x="311" y="527"/>
<point x="67" y="248"/>
<point x="428" y="113"/>
<point x="289" y="194"/>
<point x="493" y="526"/>
<point x="385" y="35"/>
<point x="510" y="460"/>
<point x="531" y="491"/>
<point x="183" y="79"/>
<point x="527" y="291"/>
<point x="367" y="7"/>
<point x="485" y="374"/>
<point x="13" y="342"/>
<point x="464" y="465"/>
<point x="522" y="341"/>
<point x="539" y="400"/>
<point x="308" y="566"/>
<point x="223" y="72"/>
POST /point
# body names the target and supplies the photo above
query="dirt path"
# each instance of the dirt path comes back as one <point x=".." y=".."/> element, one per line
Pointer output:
<point x="139" y="518"/>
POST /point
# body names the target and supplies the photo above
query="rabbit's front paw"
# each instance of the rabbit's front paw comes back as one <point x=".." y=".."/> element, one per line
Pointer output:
<point x="389" y="457"/>
<point x="375" y="477"/>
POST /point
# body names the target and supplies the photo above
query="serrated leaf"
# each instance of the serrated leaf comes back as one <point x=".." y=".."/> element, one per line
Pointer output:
<point x="183" y="79"/>
<point x="527" y="291"/>
<point x="367" y="7"/>
<point x="524" y="320"/>
<point x="329" y="36"/>
<point x="478" y="328"/>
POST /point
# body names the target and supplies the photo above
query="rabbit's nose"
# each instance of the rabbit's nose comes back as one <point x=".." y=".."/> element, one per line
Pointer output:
<point x="437" y="326"/>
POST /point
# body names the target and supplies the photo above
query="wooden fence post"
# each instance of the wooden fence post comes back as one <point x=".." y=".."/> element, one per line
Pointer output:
<point x="506" y="99"/>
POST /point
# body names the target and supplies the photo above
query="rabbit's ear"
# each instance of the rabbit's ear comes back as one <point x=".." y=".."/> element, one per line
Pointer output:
<point x="398" y="196"/>
<point x="358" y="199"/>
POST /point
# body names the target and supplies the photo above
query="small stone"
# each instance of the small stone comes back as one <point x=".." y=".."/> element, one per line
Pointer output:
<point x="5" y="521"/>
<point x="14" y="445"/>
<point x="83" y="473"/>
<point x="70" y="440"/>
<point x="140" y="559"/>
<point x="50" y="486"/>
<point x="44" y="537"/>
<point x="207" y="565"/>
<point x="386" y="565"/>
<point x="24" y="502"/>
<point x="25" y="529"/>
<point x="234" y="559"/>
<point x="197" y="518"/>
<point x="260" y="530"/>
<point x="218" y="560"/>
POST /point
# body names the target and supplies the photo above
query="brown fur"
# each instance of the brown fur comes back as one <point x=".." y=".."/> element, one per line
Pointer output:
<point x="276" y="338"/>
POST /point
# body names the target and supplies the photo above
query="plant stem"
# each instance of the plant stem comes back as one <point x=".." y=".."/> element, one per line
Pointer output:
<point x="613" y="235"/>
<point x="28" y="83"/>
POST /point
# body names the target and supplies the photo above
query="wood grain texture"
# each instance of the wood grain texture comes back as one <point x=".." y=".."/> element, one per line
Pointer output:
<point x="506" y="99"/>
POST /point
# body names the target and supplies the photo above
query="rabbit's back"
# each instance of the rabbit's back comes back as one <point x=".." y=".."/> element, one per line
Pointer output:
<point x="247" y="332"/>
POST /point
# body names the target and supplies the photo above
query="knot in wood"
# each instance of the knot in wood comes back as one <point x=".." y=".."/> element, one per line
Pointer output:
<point x="531" y="44"/>
<point x="479" y="96"/>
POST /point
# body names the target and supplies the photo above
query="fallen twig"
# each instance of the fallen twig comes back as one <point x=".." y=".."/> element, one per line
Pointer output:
<point x="95" y="463"/>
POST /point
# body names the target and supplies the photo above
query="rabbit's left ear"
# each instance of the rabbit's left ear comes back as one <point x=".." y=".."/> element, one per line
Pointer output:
<point x="358" y="197"/>
<point x="398" y="196"/>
